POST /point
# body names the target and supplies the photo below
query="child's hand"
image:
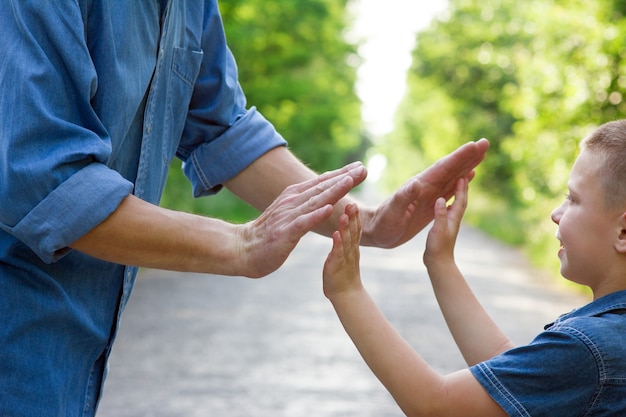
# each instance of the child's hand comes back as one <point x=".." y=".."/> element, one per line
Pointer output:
<point x="341" y="269"/>
<point x="442" y="236"/>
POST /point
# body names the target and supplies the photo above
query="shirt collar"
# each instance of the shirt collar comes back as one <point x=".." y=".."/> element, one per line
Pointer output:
<point x="610" y="302"/>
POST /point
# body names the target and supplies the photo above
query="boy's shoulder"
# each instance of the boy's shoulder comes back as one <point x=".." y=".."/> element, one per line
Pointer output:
<point x="601" y="324"/>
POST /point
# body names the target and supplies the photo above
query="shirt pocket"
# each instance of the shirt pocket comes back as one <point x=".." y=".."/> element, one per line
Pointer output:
<point x="185" y="69"/>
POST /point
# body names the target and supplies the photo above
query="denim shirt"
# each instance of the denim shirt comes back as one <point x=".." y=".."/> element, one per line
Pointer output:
<point x="575" y="368"/>
<point x="98" y="96"/>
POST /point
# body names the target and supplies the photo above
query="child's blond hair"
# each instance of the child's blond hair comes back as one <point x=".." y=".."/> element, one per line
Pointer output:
<point x="608" y="144"/>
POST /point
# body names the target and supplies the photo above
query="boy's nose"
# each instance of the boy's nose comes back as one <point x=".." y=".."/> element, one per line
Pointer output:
<point x="556" y="214"/>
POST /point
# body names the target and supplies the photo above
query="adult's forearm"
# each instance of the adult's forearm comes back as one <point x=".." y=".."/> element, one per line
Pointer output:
<point x="142" y="234"/>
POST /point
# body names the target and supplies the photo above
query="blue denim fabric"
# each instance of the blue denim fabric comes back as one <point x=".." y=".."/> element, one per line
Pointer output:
<point x="575" y="368"/>
<point x="98" y="96"/>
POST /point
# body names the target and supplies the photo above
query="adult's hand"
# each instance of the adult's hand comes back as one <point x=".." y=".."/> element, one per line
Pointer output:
<point x="267" y="241"/>
<point x="410" y="208"/>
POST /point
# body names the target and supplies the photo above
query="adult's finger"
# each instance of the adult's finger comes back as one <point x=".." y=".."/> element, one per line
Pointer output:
<point x="356" y="170"/>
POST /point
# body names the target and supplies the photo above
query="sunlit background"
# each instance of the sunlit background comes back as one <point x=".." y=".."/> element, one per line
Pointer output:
<point x="387" y="30"/>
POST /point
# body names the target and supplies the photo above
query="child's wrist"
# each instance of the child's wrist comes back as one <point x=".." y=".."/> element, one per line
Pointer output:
<point x="440" y="263"/>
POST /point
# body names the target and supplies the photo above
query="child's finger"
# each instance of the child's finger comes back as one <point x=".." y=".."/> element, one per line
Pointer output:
<point x="457" y="209"/>
<point x="441" y="213"/>
<point x="337" y="250"/>
<point x="355" y="223"/>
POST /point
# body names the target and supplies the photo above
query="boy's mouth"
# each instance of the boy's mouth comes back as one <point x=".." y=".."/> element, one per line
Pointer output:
<point x="560" y="243"/>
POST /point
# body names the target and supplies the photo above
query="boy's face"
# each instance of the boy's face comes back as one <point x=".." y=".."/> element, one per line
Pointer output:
<point x="587" y="229"/>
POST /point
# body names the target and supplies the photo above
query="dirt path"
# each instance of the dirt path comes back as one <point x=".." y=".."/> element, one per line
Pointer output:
<point x="196" y="345"/>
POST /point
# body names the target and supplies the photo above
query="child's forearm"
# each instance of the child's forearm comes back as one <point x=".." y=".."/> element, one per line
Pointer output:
<point x="402" y="371"/>
<point x="476" y="334"/>
<point x="416" y="387"/>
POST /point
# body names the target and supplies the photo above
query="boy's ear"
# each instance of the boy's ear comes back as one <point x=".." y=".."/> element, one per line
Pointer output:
<point x="620" y="244"/>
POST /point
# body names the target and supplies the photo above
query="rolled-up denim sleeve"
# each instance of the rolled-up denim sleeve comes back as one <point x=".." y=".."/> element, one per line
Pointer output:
<point x="53" y="149"/>
<point x="221" y="137"/>
<point x="61" y="218"/>
<point x="216" y="161"/>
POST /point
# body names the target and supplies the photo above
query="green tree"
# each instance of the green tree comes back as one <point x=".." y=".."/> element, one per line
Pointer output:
<point x="534" y="80"/>
<point x="293" y="65"/>
<point x="298" y="70"/>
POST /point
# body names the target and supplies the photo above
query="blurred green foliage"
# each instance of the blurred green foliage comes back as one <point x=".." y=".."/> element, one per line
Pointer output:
<point x="534" y="78"/>
<point x="296" y="67"/>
